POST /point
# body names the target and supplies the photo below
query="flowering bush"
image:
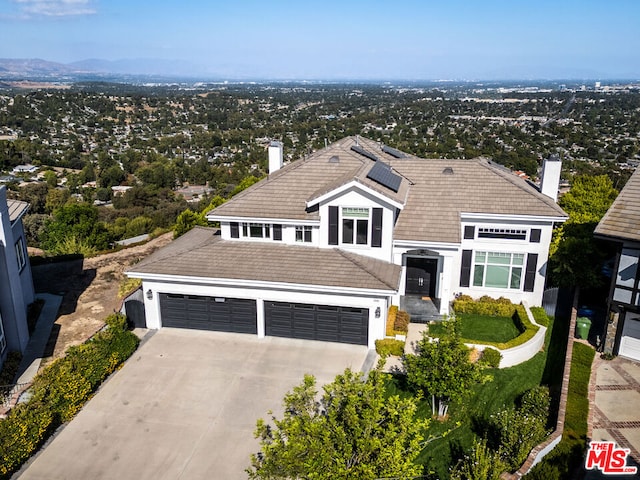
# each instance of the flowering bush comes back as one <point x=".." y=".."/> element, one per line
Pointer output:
<point x="60" y="391"/>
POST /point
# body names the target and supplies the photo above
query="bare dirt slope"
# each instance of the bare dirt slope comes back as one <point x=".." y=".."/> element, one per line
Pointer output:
<point x="90" y="291"/>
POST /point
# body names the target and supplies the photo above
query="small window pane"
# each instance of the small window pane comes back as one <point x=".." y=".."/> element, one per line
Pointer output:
<point x="298" y="234"/>
<point x="499" y="258"/>
<point x="307" y="234"/>
<point x="518" y="259"/>
<point x="363" y="229"/>
<point x="516" y="275"/>
<point x="481" y="257"/>
<point x="347" y="231"/>
<point x="244" y="230"/>
<point x="255" y="230"/>
<point x="478" y="275"/>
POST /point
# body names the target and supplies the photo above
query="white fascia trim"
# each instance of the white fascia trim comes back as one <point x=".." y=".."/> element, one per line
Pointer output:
<point x="519" y="218"/>
<point x="280" y="221"/>
<point x="353" y="183"/>
<point x="240" y="283"/>
<point x="428" y="245"/>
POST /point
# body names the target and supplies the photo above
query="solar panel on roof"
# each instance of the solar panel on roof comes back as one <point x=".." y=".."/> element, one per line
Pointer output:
<point x="393" y="152"/>
<point x="364" y="153"/>
<point x="382" y="174"/>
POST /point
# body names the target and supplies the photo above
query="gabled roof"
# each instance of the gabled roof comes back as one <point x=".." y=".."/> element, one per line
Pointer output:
<point x="16" y="209"/>
<point x="286" y="193"/>
<point x="434" y="192"/>
<point x="202" y="253"/>
<point x="622" y="220"/>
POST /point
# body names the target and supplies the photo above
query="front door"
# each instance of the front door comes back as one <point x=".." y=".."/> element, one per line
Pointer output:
<point x="421" y="276"/>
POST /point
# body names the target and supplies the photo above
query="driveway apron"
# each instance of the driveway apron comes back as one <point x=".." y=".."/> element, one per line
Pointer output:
<point x="185" y="405"/>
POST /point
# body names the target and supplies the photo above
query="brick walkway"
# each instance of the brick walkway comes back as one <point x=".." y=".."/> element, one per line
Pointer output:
<point x="614" y="399"/>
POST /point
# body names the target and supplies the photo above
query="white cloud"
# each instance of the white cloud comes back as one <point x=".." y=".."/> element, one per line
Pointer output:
<point x="56" y="8"/>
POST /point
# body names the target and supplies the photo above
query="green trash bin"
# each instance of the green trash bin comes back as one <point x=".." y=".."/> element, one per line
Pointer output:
<point x="583" y="325"/>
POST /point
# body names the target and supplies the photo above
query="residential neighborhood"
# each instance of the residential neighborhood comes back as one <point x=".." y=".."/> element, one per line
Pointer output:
<point x="241" y="270"/>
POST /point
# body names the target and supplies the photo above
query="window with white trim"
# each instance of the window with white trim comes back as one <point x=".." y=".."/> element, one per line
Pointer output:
<point x="504" y="233"/>
<point x="303" y="233"/>
<point x="355" y="225"/>
<point x="256" y="230"/>
<point x="21" y="254"/>
<point x="498" y="270"/>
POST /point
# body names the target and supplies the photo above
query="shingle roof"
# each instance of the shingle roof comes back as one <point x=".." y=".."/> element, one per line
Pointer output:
<point x="437" y="198"/>
<point x="622" y="220"/>
<point x="285" y="193"/>
<point x="202" y="253"/>
<point x="16" y="209"/>
<point x="433" y="200"/>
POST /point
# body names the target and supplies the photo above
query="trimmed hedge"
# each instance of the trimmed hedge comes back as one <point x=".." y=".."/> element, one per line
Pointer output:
<point x="540" y="316"/>
<point x="390" y="346"/>
<point x="397" y="321"/>
<point x="391" y="320"/>
<point x="501" y="307"/>
<point x="60" y="391"/>
<point x="490" y="357"/>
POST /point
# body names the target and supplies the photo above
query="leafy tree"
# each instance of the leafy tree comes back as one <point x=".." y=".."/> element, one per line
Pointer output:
<point x="352" y="431"/>
<point x="575" y="257"/>
<point x="186" y="221"/>
<point x="442" y="368"/>
<point x="244" y="184"/>
<point x="35" y="194"/>
<point x="56" y="198"/>
<point x="75" y="224"/>
<point x="50" y="178"/>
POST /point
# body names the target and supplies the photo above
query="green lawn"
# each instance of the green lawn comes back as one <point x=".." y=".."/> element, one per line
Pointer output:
<point x="501" y="388"/>
<point x="482" y="328"/>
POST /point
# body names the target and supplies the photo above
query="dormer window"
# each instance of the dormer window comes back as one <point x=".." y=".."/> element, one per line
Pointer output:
<point x="256" y="230"/>
<point x="303" y="233"/>
<point x="355" y="225"/>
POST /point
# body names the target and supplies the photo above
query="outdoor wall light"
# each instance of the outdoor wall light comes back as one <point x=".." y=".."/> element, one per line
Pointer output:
<point x="377" y="312"/>
<point x="149" y="294"/>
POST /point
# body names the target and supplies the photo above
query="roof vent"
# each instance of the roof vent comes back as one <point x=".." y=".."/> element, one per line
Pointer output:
<point x="447" y="171"/>
<point x="334" y="159"/>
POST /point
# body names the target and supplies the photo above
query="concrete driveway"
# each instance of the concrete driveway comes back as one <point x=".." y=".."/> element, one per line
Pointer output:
<point x="184" y="406"/>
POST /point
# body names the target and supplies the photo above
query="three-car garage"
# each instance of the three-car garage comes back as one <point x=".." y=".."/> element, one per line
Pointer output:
<point x="329" y="323"/>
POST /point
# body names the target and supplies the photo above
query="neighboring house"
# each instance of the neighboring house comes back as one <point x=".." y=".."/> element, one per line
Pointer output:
<point x="16" y="284"/>
<point x="621" y="224"/>
<point x="27" y="168"/>
<point x="322" y="247"/>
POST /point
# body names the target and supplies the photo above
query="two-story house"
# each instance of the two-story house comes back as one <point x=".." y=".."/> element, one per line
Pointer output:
<point x="16" y="284"/>
<point x="322" y="247"/>
<point x="621" y="224"/>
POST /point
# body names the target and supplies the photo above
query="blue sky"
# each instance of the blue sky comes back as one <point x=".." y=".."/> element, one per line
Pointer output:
<point x="331" y="39"/>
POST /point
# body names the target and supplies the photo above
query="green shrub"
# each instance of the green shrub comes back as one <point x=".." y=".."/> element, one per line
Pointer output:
<point x="21" y="433"/>
<point x="490" y="357"/>
<point x="540" y="316"/>
<point x="536" y="401"/>
<point x="482" y="464"/>
<point x="61" y="389"/>
<point x="517" y="432"/>
<point x="389" y="346"/>
<point x="391" y="320"/>
<point x="485" y="305"/>
<point x="401" y="323"/>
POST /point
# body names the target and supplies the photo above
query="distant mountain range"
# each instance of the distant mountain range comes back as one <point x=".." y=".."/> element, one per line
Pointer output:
<point x="36" y="69"/>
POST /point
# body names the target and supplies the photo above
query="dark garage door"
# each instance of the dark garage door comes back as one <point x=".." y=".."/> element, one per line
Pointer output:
<point x="317" y="322"/>
<point x="208" y="313"/>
